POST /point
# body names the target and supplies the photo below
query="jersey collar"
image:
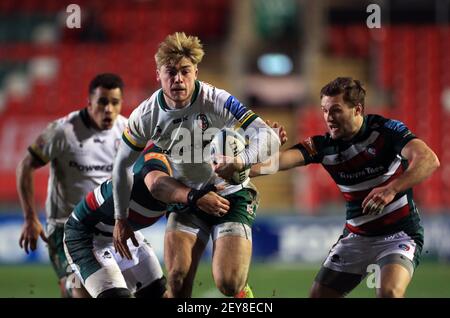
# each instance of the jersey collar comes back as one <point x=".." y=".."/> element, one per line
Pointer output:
<point x="361" y="134"/>
<point x="162" y="102"/>
<point x="84" y="115"/>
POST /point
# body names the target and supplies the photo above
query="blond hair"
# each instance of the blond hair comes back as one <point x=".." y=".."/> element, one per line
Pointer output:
<point x="176" y="46"/>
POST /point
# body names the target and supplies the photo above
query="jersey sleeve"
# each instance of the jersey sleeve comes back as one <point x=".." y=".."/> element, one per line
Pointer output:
<point x="311" y="149"/>
<point x="398" y="134"/>
<point x="234" y="113"/>
<point x="135" y="135"/>
<point x="49" y="144"/>
<point x="154" y="161"/>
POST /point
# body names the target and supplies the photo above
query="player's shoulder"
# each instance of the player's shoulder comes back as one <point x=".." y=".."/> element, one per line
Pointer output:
<point x="147" y="107"/>
<point x="378" y="122"/>
<point x="210" y="92"/>
<point x="62" y="123"/>
<point x="315" y="144"/>
<point x="121" y="121"/>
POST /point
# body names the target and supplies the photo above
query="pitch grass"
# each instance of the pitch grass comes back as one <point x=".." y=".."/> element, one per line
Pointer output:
<point x="267" y="280"/>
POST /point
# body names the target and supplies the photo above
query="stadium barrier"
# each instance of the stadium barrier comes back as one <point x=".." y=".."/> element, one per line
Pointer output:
<point x="281" y="239"/>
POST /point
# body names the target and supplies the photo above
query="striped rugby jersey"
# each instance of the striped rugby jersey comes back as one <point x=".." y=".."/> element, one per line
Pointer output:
<point x="371" y="159"/>
<point x="81" y="158"/>
<point x="96" y="210"/>
<point x="210" y="107"/>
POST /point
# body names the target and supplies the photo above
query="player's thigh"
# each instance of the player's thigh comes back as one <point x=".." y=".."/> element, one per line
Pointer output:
<point x="185" y="240"/>
<point x="232" y="257"/>
<point x="343" y="269"/>
<point x="146" y="271"/>
<point x="397" y="261"/>
<point x="395" y="278"/>
<point x="96" y="267"/>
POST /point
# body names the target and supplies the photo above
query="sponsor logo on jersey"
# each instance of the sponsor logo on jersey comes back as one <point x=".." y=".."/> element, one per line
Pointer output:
<point x="396" y="125"/>
<point x="404" y="247"/>
<point x="107" y="255"/>
<point x="98" y="140"/>
<point x="202" y="121"/>
<point x="179" y="120"/>
<point x="335" y="258"/>
<point x="87" y="168"/>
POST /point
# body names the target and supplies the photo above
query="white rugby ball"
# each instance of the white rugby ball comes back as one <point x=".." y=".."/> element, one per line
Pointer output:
<point x="230" y="143"/>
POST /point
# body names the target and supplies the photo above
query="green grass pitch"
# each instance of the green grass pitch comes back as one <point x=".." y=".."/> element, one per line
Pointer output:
<point x="267" y="280"/>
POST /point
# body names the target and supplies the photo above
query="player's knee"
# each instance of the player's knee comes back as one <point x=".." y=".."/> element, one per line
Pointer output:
<point x="64" y="288"/>
<point x="390" y="292"/>
<point x="177" y="279"/>
<point x="320" y="291"/>
<point x="314" y="292"/>
<point x="155" y="290"/>
<point x="115" y="293"/>
<point x="229" y="287"/>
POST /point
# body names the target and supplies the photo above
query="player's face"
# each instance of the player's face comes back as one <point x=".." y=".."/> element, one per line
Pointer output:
<point x="104" y="107"/>
<point x="178" y="82"/>
<point x="343" y="121"/>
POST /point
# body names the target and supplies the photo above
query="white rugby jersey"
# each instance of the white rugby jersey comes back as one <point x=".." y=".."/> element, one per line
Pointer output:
<point x="81" y="158"/>
<point x="192" y="126"/>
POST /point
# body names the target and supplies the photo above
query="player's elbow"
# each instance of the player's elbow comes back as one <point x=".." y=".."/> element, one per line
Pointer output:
<point x="432" y="160"/>
<point x="435" y="162"/>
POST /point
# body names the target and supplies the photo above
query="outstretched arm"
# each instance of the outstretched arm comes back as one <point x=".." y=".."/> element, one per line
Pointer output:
<point x="32" y="228"/>
<point x="283" y="160"/>
<point x="422" y="162"/>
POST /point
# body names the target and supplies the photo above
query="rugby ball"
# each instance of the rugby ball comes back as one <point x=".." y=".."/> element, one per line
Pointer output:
<point x="230" y="143"/>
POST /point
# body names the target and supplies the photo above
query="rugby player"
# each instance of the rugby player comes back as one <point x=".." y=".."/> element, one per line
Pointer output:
<point x="88" y="232"/>
<point x="172" y="117"/>
<point x="375" y="162"/>
<point x="80" y="148"/>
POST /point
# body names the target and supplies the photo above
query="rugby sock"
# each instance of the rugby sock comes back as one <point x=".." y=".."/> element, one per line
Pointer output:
<point x="245" y="293"/>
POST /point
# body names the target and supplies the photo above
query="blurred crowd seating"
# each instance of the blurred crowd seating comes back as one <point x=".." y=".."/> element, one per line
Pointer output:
<point x="410" y="64"/>
<point x="45" y="69"/>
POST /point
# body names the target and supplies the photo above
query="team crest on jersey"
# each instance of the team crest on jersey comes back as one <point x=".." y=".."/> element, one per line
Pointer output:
<point x="202" y="121"/>
<point x="371" y="151"/>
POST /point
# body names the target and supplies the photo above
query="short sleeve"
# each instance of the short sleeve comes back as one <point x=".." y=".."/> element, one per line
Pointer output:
<point x="134" y="134"/>
<point x="311" y="149"/>
<point x="398" y="134"/>
<point x="49" y="144"/>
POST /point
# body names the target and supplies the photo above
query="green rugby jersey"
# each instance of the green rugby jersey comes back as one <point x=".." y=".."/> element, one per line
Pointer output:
<point x="370" y="159"/>
<point x="96" y="210"/>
